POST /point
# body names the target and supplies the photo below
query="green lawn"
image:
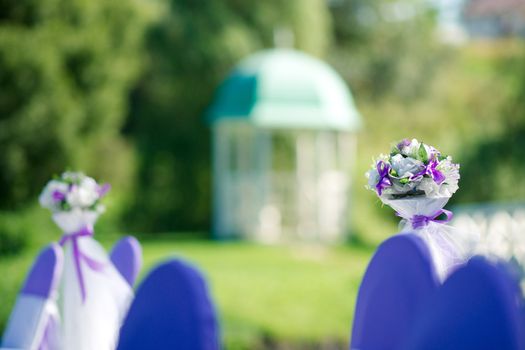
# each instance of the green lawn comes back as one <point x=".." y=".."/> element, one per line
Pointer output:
<point x="268" y="297"/>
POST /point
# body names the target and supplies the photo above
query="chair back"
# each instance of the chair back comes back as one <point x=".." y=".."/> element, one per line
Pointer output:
<point x="398" y="279"/>
<point x="478" y="307"/>
<point x="172" y="310"/>
<point x="126" y="255"/>
<point x="33" y="323"/>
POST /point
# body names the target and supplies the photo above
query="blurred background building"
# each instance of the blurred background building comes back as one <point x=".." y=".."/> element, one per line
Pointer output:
<point x="283" y="147"/>
<point x="494" y="19"/>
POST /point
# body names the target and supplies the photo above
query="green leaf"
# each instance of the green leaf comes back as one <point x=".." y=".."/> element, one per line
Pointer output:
<point x="422" y="154"/>
<point x="394" y="151"/>
<point x="404" y="180"/>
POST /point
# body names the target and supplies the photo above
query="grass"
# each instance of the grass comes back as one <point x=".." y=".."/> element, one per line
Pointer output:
<point x="280" y="297"/>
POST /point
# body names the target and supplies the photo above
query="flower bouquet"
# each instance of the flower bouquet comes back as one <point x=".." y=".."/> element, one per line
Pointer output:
<point x="94" y="297"/>
<point x="416" y="180"/>
<point x="74" y="199"/>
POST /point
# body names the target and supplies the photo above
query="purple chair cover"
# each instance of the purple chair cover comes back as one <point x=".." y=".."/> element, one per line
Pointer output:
<point x="172" y="310"/>
<point x="478" y="307"/>
<point x="127" y="258"/>
<point x="29" y="313"/>
<point x="399" y="278"/>
<point x="44" y="276"/>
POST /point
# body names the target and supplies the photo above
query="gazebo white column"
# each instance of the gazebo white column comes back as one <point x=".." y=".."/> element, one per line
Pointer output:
<point x="222" y="221"/>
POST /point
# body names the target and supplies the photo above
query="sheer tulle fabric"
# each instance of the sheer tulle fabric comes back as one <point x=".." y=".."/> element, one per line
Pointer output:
<point x="448" y="246"/>
<point x="51" y="338"/>
<point x="93" y="323"/>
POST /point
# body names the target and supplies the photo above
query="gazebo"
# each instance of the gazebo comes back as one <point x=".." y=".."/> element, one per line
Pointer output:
<point x="283" y="128"/>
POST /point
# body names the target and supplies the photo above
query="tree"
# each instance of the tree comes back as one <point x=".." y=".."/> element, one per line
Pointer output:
<point x="385" y="48"/>
<point x="66" y="68"/>
<point x="494" y="165"/>
<point x="191" y="49"/>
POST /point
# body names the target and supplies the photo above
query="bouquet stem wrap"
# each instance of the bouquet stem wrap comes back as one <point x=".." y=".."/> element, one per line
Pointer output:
<point x="447" y="245"/>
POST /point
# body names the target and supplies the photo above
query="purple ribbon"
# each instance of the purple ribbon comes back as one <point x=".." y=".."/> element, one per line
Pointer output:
<point x="78" y="256"/>
<point x="431" y="171"/>
<point x="384" y="181"/>
<point x="419" y="221"/>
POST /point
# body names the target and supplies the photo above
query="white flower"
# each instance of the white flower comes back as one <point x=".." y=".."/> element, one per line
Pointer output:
<point x="373" y="178"/>
<point x="48" y="198"/>
<point x="406" y="167"/>
<point x="400" y="188"/>
<point x="83" y="195"/>
<point x="431" y="151"/>
<point x="447" y="190"/>
<point x="411" y="149"/>
<point x="431" y="188"/>
<point x="449" y="170"/>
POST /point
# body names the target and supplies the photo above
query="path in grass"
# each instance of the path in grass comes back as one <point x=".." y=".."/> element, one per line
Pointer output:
<point x="268" y="297"/>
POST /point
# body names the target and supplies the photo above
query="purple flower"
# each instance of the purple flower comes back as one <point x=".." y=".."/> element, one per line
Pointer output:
<point x="384" y="181"/>
<point x="58" y="196"/>
<point x="403" y="143"/>
<point x="102" y="190"/>
<point x="432" y="171"/>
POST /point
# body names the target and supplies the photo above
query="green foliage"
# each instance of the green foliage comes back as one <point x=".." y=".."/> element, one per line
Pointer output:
<point x="23" y="228"/>
<point x="65" y="72"/>
<point x="494" y="165"/>
<point x="422" y="154"/>
<point x="13" y="237"/>
<point x="385" y="48"/>
<point x="191" y="49"/>
<point x="493" y="170"/>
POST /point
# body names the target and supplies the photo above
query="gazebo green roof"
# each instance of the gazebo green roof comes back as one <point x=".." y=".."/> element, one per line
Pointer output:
<point x="282" y="88"/>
